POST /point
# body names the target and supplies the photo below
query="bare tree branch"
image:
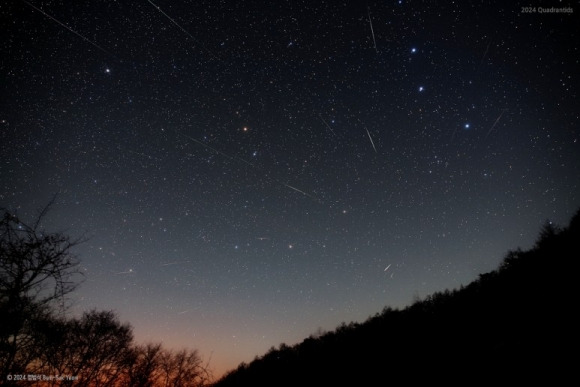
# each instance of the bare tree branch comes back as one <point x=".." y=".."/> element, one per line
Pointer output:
<point x="37" y="271"/>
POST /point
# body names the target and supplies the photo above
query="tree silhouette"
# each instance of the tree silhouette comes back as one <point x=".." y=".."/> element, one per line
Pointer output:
<point x="145" y="369"/>
<point x="96" y="348"/>
<point x="155" y="366"/>
<point x="183" y="368"/>
<point x="37" y="271"/>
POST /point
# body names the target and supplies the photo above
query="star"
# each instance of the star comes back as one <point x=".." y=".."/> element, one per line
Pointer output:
<point x="413" y="50"/>
<point x="421" y="88"/>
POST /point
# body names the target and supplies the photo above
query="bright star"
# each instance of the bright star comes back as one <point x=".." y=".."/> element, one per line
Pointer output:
<point x="413" y="50"/>
<point x="421" y="88"/>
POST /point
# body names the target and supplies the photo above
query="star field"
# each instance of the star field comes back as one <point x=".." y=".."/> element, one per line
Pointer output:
<point x="249" y="172"/>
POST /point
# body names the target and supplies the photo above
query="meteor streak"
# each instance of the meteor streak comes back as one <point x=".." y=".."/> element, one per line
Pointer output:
<point x="70" y="29"/>
<point x="130" y="271"/>
<point x="485" y="53"/>
<point x="169" y="264"/>
<point x="182" y="29"/>
<point x="325" y="123"/>
<point x="372" y="30"/>
<point x="144" y="155"/>
<point x="372" y="142"/>
<point x="297" y="190"/>
<point x="495" y="123"/>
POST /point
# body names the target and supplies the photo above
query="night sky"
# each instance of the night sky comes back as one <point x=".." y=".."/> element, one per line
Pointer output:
<point x="247" y="172"/>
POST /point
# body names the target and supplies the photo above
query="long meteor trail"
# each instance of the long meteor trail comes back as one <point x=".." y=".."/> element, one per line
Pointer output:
<point x="325" y="123"/>
<point x="372" y="142"/>
<point x="372" y="30"/>
<point x="182" y="29"/>
<point x="495" y="123"/>
<point x="68" y="28"/>
<point x="299" y="191"/>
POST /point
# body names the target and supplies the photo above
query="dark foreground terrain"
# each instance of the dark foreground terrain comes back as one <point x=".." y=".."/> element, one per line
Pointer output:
<point x="513" y="325"/>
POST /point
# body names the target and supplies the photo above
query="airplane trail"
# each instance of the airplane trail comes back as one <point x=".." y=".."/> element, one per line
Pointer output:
<point x="70" y="29"/>
<point x="495" y="123"/>
<point x="328" y="126"/>
<point x="372" y="30"/>
<point x="182" y="29"/>
<point x="372" y="142"/>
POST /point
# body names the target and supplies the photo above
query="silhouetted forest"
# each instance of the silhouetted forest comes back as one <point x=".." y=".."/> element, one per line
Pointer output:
<point x="513" y="324"/>
<point x="40" y="345"/>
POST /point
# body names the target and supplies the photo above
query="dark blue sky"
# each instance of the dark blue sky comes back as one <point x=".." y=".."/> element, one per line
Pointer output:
<point x="249" y="172"/>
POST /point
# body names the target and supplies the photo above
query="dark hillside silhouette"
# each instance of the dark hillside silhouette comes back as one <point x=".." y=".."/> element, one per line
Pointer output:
<point x="513" y="324"/>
